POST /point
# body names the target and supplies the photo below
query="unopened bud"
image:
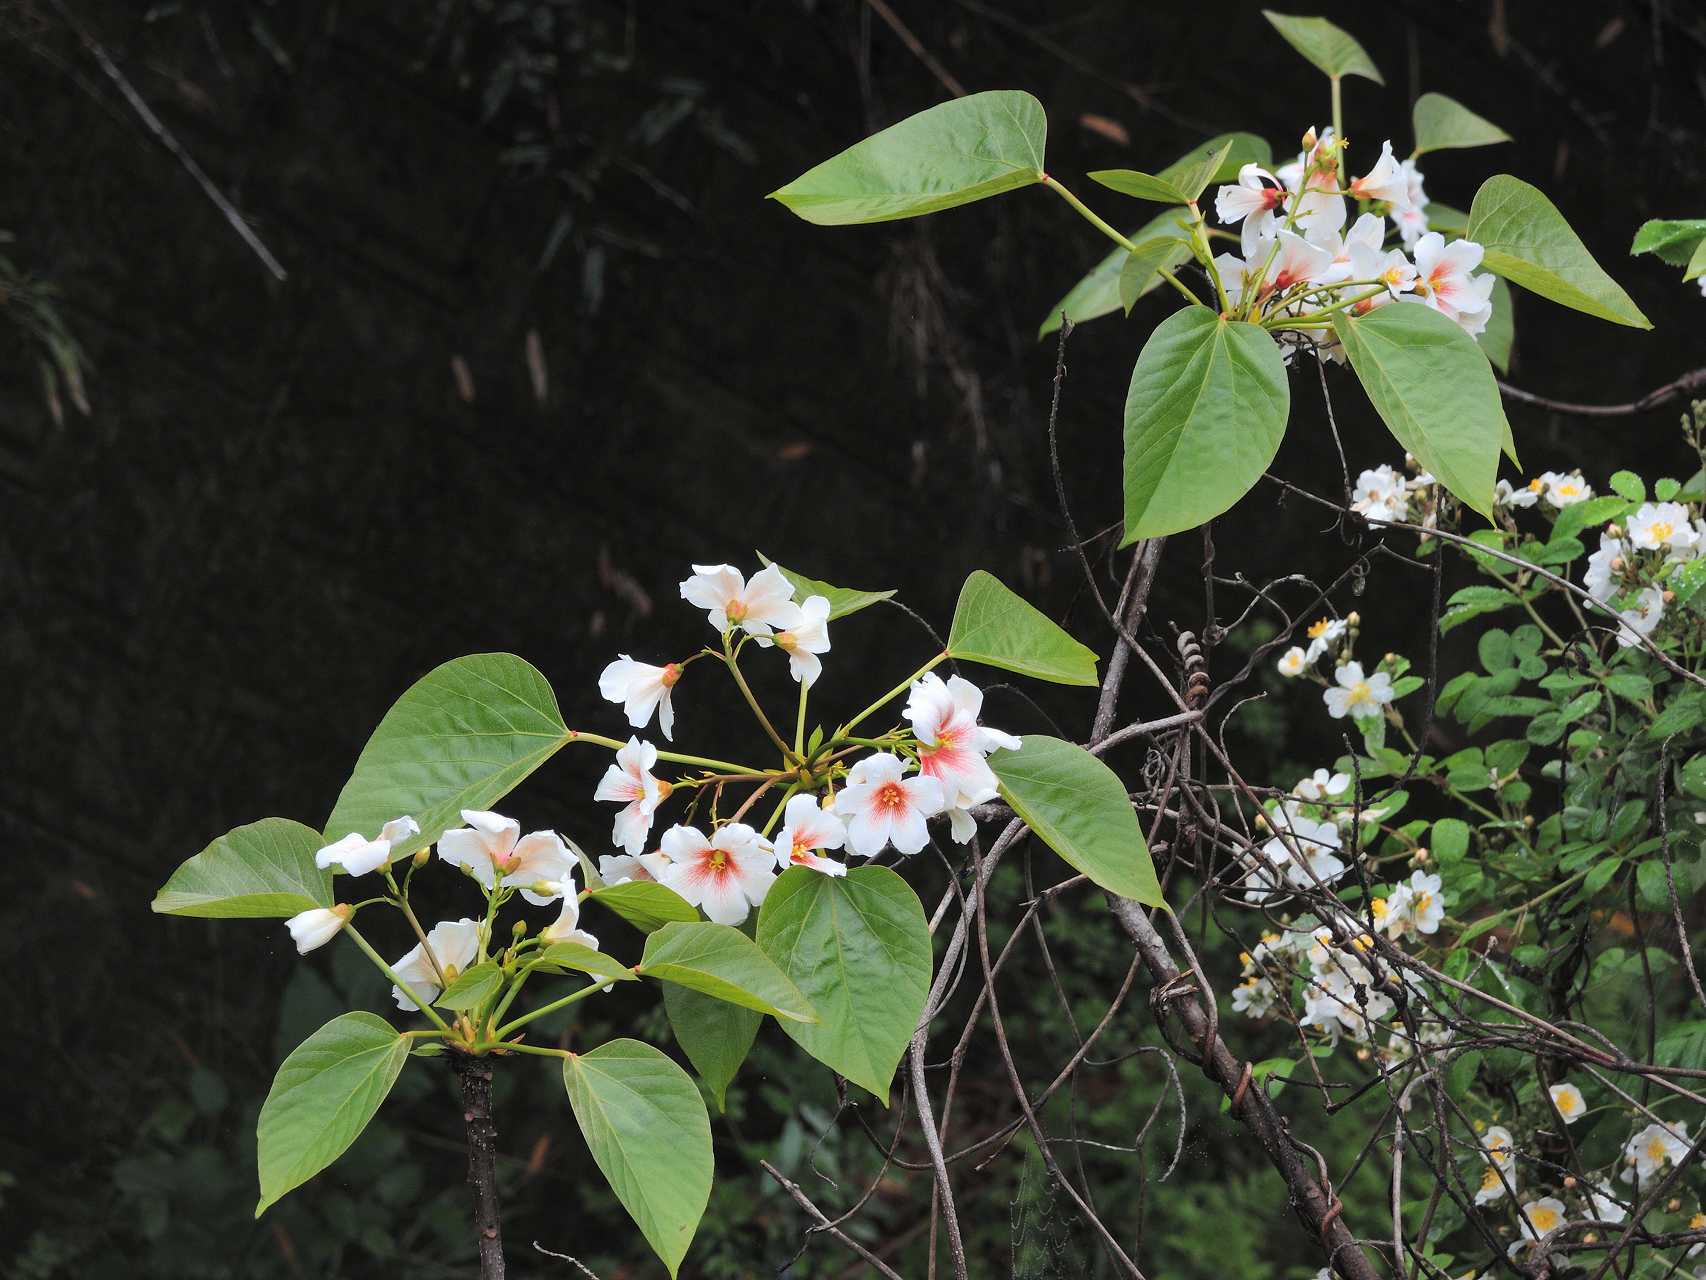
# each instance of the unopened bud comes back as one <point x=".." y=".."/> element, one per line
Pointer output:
<point x="1354" y="618"/>
<point x="1362" y="1055"/>
<point x="1614" y="529"/>
<point x="1618" y="564"/>
<point x="1569" y="1180"/>
<point x="1591" y="1237"/>
<point x="1669" y="596"/>
<point x="519" y="928"/>
<point x="1672" y="1205"/>
<point x="665" y="787"/>
<point x="1310" y="138"/>
<point x="1528" y="819"/>
<point x="421" y="858"/>
<point x="1421" y="855"/>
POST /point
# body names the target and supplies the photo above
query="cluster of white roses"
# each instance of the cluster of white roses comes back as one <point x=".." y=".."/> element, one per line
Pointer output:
<point x="1353" y="691"/>
<point x="1560" y="489"/>
<point x="1298" y="258"/>
<point x="1382" y="493"/>
<point x="1635" y="558"/>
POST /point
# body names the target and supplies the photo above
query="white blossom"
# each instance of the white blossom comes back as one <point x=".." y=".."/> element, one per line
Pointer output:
<point x="726" y="875"/>
<point x="629" y="783"/>
<point x="356" y="855"/>
<point x="1663" y="526"/>
<point x="1445" y="281"/>
<point x="1386" y="181"/>
<point x="1381" y="494"/>
<point x="1568" y="1102"/>
<point x="566" y="927"/>
<point x="642" y="689"/>
<point x="805" y="640"/>
<point x="317" y="926"/>
<point x="1292" y="662"/>
<point x="1506" y="496"/>
<point x="620" y="867"/>
<point x="492" y="846"/>
<point x="454" y="944"/>
<point x="807" y="827"/>
<point x="1357" y="695"/>
<point x="952" y="745"/>
<point x="1565" y="488"/>
<point x="1648" y="1151"/>
<point x="1642" y="618"/>
<point x="757" y="607"/>
<point x="882" y="806"/>
<point x="1323" y="634"/>
<point x="1322" y="785"/>
<point x="1603" y="566"/>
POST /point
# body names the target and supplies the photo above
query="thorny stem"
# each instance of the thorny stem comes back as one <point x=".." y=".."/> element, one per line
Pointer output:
<point x="475" y="1075"/>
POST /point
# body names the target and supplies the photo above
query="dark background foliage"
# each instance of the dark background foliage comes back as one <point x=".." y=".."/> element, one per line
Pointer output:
<point x="541" y="344"/>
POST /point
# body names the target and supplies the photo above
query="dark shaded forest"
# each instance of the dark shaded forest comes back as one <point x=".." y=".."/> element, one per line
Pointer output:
<point x="337" y="340"/>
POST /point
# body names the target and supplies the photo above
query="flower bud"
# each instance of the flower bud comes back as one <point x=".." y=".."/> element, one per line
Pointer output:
<point x="317" y="926"/>
<point x="1421" y="855"/>
<point x="1353" y="618"/>
<point x="1614" y="529"/>
<point x="665" y="788"/>
<point x="1618" y="564"/>
<point x="1310" y="138"/>
<point x="421" y="858"/>
<point x="1569" y="1180"/>
<point x="1669" y="596"/>
<point x="1591" y="1237"/>
<point x="519" y="929"/>
<point x="1672" y="1205"/>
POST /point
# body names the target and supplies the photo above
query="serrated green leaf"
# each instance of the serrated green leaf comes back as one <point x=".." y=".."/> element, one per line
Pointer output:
<point x="948" y="155"/>
<point x="1204" y="416"/>
<point x="1328" y="47"/>
<point x="858" y="948"/>
<point x="715" y="1035"/>
<point x="1078" y="807"/>
<point x="998" y="628"/>
<point x="325" y="1093"/>
<point x="1683" y="1044"/>
<point x="1529" y="243"/>
<point x="1696" y="263"/>
<point x="645" y="904"/>
<point x="1145" y="264"/>
<point x="645" y="1124"/>
<point x="1472" y="602"/>
<point x="1674" y="240"/>
<point x="1434" y="390"/>
<point x="462" y="737"/>
<point x="722" y="962"/>
<point x="1627" y="484"/>
<point x="1579" y="515"/>
<point x="1442" y="123"/>
<point x="264" y="870"/>
<point x="842" y="600"/>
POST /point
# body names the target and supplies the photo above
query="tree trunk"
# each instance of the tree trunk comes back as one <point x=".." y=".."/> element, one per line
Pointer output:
<point x="476" y="1077"/>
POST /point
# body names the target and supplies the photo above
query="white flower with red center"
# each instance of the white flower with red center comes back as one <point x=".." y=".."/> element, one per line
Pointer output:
<point x="1410" y="217"/>
<point x="725" y="875"/>
<point x="641" y="689"/>
<point x="1357" y="695"/>
<point x="356" y="855"/>
<point x="1292" y="662"/>
<point x="1254" y="201"/>
<point x="1360" y="243"/>
<point x="882" y="806"/>
<point x="1445" y="281"/>
<point x="757" y="607"/>
<point x="317" y="926"/>
<point x="1298" y="262"/>
<point x="803" y="641"/>
<point x="1320" y="209"/>
<point x="566" y="927"/>
<point x="1386" y="181"/>
<point x="952" y="745"/>
<point x="454" y="945"/>
<point x="629" y="783"/>
<point x="807" y="827"/>
<point x="620" y="867"/>
<point x="491" y="847"/>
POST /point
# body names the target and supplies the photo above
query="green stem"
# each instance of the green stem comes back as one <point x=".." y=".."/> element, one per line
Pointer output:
<point x="1095" y="220"/>
<point x="509" y="996"/>
<point x="540" y="1012"/>
<point x="511" y="1046"/>
<point x="776" y="813"/>
<point x="1338" y="127"/>
<point x="674" y="757"/>
<point x="892" y="694"/>
<point x="800" y="722"/>
<point x="424" y="1006"/>
<point x="746" y="692"/>
<point x="402" y="903"/>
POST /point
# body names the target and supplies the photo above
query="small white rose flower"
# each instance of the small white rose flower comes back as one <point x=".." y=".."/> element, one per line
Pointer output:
<point x="1642" y="618"/>
<point x="1603" y="565"/>
<point x="1292" y="662"/>
<point x="1568" y="1101"/>
<point x="1357" y="695"/>
<point x="1663" y="526"/>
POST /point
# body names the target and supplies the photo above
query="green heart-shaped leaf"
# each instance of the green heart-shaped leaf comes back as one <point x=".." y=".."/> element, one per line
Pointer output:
<point x="998" y="628"/>
<point x="715" y="1035"/>
<point x="264" y="870"/>
<point x="1442" y="123"/>
<point x="723" y="962"/>
<point x="1330" y="48"/>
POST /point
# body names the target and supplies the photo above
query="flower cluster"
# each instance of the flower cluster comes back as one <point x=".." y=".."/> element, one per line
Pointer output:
<point x="1353" y="691"/>
<point x="1299" y="263"/>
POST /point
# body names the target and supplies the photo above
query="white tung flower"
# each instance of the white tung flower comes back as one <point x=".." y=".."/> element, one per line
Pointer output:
<point x="757" y="607"/>
<point x="807" y="827"/>
<point x="492" y="846"/>
<point x="1253" y="201"/>
<point x="1445" y="281"/>
<point x="642" y="689"/>
<point x="952" y="745"/>
<point x="1357" y="695"/>
<point x="1292" y="662"/>
<point x="317" y="926"/>
<point x="566" y="927"/>
<point x="1411" y="217"/>
<point x="805" y="640"/>
<point x="629" y="783"/>
<point x="454" y="945"/>
<point x="356" y="855"/>
<point x="1386" y="181"/>
<point x="618" y="868"/>
<point x="725" y="875"/>
<point x="883" y="807"/>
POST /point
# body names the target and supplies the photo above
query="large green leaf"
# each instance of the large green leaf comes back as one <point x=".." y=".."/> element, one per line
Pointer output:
<point x="948" y="155"/>
<point x="858" y="948"/>
<point x="264" y="870"/>
<point x="1078" y="807"/>
<point x="575" y="957"/>
<point x="998" y="628"/>
<point x="1181" y="184"/>
<point x="645" y="1124"/>
<point x="842" y="600"/>
<point x="1500" y="334"/>
<point x="322" y="1098"/>
<point x="1144" y="265"/>
<point x="462" y="737"/>
<point x="1204" y="417"/>
<point x="1098" y="293"/>
<point x="1442" y="123"/>
<point x="645" y="904"/>
<point x="1434" y="389"/>
<point x="723" y="962"/>
<point x="1529" y="243"/>
<point x="715" y="1035"/>
<point x="1330" y="48"/>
